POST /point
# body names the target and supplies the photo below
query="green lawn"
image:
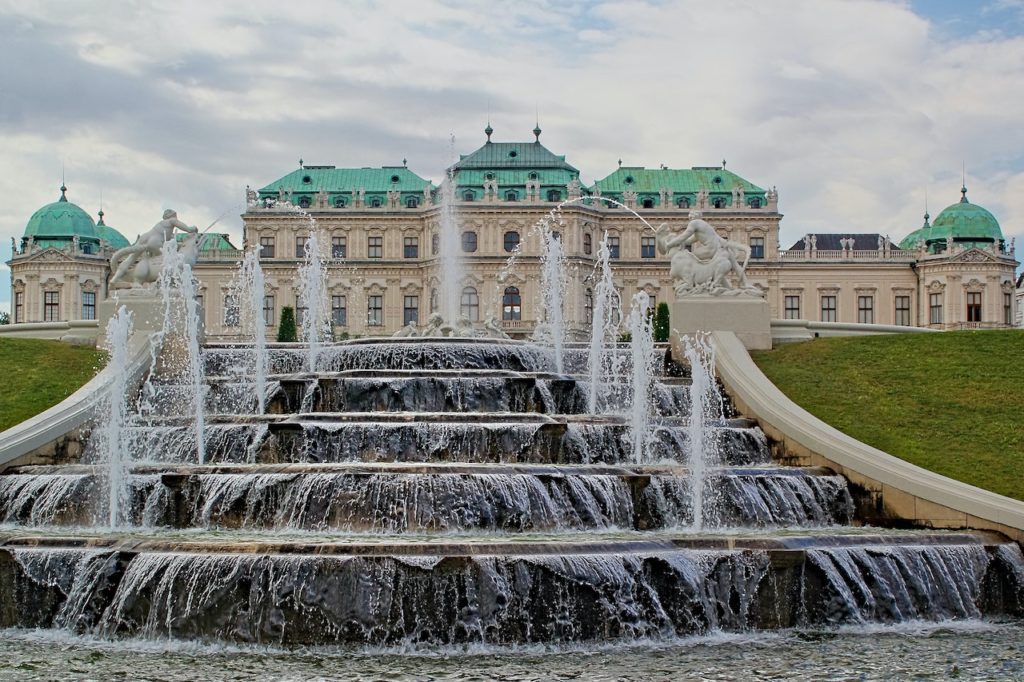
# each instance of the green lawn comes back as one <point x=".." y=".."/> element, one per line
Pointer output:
<point x="950" y="402"/>
<point x="39" y="374"/>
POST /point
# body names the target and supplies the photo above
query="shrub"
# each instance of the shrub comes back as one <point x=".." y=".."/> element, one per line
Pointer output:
<point x="662" y="326"/>
<point x="286" y="330"/>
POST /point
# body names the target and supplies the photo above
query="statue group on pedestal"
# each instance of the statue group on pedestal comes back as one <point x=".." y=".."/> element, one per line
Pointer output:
<point x="463" y="328"/>
<point x="140" y="263"/>
<point x="701" y="260"/>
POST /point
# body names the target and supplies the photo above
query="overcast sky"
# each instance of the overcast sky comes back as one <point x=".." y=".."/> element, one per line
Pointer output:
<point x="853" y="109"/>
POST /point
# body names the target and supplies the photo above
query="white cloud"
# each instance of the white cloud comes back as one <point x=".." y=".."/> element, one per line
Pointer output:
<point x="851" y="108"/>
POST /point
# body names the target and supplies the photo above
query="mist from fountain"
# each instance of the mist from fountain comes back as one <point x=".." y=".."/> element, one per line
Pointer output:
<point x="312" y="291"/>
<point x="553" y="283"/>
<point x="250" y="290"/>
<point x="604" y="328"/>
<point x="706" y="409"/>
<point x="176" y="280"/>
<point x="641" y="350"/>
<point x="114" y="447"/>
<point x="451" y="262"/>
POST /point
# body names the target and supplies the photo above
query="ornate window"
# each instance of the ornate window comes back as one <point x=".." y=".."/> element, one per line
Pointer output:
<point x="269" y="318"/>
<point x="19" y="306"/>
<point x="935" y="308"/>
<point x="792" y="308"/>
<point x="412" y="202"/>
<point x="411" y="247"/>
<point x="300" y="310"/>
<point x="511" y="304"/>
<point x="88" y="305"/>
<point x="470" y="304"/>
<point x="757" y="247"/>
<point x="300" y="247"/>
<point x="469" y="241"/>
<point x="974" y="306"/>
<point x="375" y="202"/>
<point x="647" y="202"/>
<point x="411" y="310"/>
<point x="755" y="202"/>
<point x="902" y="317"/>
<point x="232" y="312"/>
<point x="511" y="195"/>
<point x="51" y="306"/>
<point x="683" y="202"/>
<point x="588" y="243"/>
<point x="554" y="195"/>
<point x="511" y="241"/>
<point x="647" y="247"/>
<point x="1007" y="309"/>
<point x="828" y="308"/>
<point x="305" y="202"/>
<point x="718" y="202"/>
<point x="468" y="195"/>
<point x="866" y="309"/>
<point x="339" y="202"/>
<point x="266" y="247"/>
<point x="375" y="247"/>
<point x="613" y="247"/>
<point x="588" y="306"/>
<point x="339" y="310"/>
<point x="338" y="247"/>
<point x="375" y="310"/>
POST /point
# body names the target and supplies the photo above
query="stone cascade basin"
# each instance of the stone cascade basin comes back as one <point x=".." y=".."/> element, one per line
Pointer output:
<point x="426" y="492"/>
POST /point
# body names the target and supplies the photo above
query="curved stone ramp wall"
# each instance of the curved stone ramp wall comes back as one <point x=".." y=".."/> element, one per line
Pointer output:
<point x="899" y="490"/>
<point x="54" y="435"/>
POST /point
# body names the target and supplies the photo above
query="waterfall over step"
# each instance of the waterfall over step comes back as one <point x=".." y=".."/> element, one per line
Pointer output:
<point x="428" y="492"/>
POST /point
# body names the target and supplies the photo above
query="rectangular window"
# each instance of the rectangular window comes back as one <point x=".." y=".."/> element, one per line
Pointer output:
<point x="613" y="247"/>
<point x="828" y="309"/>
<point x="266" y="247"/>
<point x="934" y="308"/>
<point x="411" y="310"/>
<point x="338" y="249"/>
<point x="411" y="247"/>
<point x="647" y="247"/>
<point x="19" y="307"/>
<point x="269" y="318"/>
<point x="866" y="309"/>
<point x="792" y="311"/>
<point x="1008" y="309"/>
<point x="232" y="312"/>
<point x="339" y="311"/>
<point x="300" y="311"/>
<point x="757" y="247"/>
<point x="51" y="306"/>
<point x="375" y="247"/>
<point x="375" y="311"/>
<point x="903" y="311"/>
<point x="300" y="247"/>
<point x="88" y="305"/>
<point x="974" y="306"/>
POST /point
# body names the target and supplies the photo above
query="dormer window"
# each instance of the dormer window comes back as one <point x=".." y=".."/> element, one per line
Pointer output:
<point x="305" y="202"/>
<point x="412" y="202"/>
<point x="375" y="202"/>
<point x="533" y="176"/>
<point x="339" y="203"/>
<point x="306" y="180"/>
<point x="554" y="195"/>
<point x="647" y="203"/>
<point x="394" y="179"/>
<point x="468" y="195"/>
<point x="755" y="202"/>
<point x="629" y="180"/>
<point x="718" y="203"/>
<point x="683" y="203"/>
<point x="511" y="195"/>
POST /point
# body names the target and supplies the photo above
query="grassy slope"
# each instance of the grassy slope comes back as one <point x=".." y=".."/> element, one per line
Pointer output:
<point x="950" y="402"/>
<point x="39" y="374"/>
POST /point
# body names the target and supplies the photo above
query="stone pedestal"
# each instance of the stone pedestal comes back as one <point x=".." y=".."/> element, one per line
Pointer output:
<point x="747" y="316"/>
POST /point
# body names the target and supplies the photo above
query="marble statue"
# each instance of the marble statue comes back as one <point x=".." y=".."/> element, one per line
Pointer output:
<point x="702" y="260"/>
<point x="492" y="328"/>
<point x="463" y="328"/>
<point x="139" y="264"/>
<point x="434" y="324"/>
<point x="408" y="331"/>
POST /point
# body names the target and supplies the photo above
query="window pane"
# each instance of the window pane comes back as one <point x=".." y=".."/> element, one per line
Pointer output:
<point x="375" y="311"/>
<point x="339" y="310"/>
<point x="866" y="309"/>
<point x="411" y="310"/>
<point x="266" y="247"/>
<point x="269" y="318"/>
<point x="470" y="307"/>
<point x="469" y="242"/>
<point x="511" y="304"/>
<point x="792" y="311"/>
<point x="511" y="241"/>
<point x="375" y="247"/>
<point x="613" y="247"/>
<point x="828" y="308"/>
<point x="647" y="247"/>
<point x="338" y="247"/>
<point x="411" y="247"/>
<point x="757" y="247"/>
<point x="88" y="305"/>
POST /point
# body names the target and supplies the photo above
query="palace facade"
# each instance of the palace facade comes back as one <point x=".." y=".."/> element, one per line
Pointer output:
<point x="380" y="234"/>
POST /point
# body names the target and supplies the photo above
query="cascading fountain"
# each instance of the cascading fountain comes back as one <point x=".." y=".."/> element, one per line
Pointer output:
<point x="553" y="283"/>
<point x="642" y="356"/>
<point x="451" y="263"/>
<point x="604" y="328"/>
<point x="250" y="291"/>
<point x="705" y="409"/>
<point x="114" y="447"/>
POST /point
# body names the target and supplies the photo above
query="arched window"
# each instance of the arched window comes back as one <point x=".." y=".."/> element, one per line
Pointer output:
<point x="718" y="203"/>
<point x="468" y="195"/>
<point x="435" y="244"/>
<point x="554" y="195"/>
<point x="511" y="195"/>
<point x="305" y="202"/>
<point x="412" y="202"/>
<point x="511" y="304"/>
<point x="588" y="243"/>
<point x="647" y="203"/>
<point x="375" y="202"/>
<point x="684" y="202"/>
<point x="470" y="307"/>
<point x="588" y="306"/>
<point x="755" y="202"/>
<point x="511" y="241"/>
<point x="469" y="241"/>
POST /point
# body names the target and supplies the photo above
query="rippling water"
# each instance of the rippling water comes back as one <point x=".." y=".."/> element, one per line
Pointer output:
<point x="965" y="651"/>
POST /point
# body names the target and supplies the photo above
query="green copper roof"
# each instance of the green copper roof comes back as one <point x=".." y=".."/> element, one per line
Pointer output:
<point x="109" y="234"/>
<point x="913" y="240"/>
<point x="507" y="179"/>
<point x="212" y="241"/>
<point x="313" y="179"/>
<point x="525" y="156"/>
<point x="61" y="221"/>
<point x="677" y="180"/>
<point x="965" y="222"/>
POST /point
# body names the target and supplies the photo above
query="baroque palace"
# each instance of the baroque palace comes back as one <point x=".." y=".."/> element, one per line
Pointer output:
<point x="379" y="228"/>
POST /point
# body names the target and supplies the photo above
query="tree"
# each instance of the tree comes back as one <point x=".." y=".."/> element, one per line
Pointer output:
<point x="286" y="330"/>
<point x="662" y="326"/>
<point x="5" y="318"/>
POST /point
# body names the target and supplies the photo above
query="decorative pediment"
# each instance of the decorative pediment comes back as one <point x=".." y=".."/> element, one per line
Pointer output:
<point x="48" y="255"/>
<point x="935" y="286"/>
<point x="974" y="256"/>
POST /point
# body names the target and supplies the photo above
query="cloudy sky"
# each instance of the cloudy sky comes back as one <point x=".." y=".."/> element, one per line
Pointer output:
<point x="855" y="109"/>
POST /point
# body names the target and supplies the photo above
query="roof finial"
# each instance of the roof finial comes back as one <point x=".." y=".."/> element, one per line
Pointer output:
<point x="620" y="163"/>
<point x="63" y="188"/>
<point x="301" y="165"/>
<point x="926" y="216"/>
<point x="963" y="183"/>
<point x="101" y="209"/>
<point x="488" y="130"/>
<point x="536" y="126"/>
<point x="405" y="163"/>
<point x="723" y="163"/>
